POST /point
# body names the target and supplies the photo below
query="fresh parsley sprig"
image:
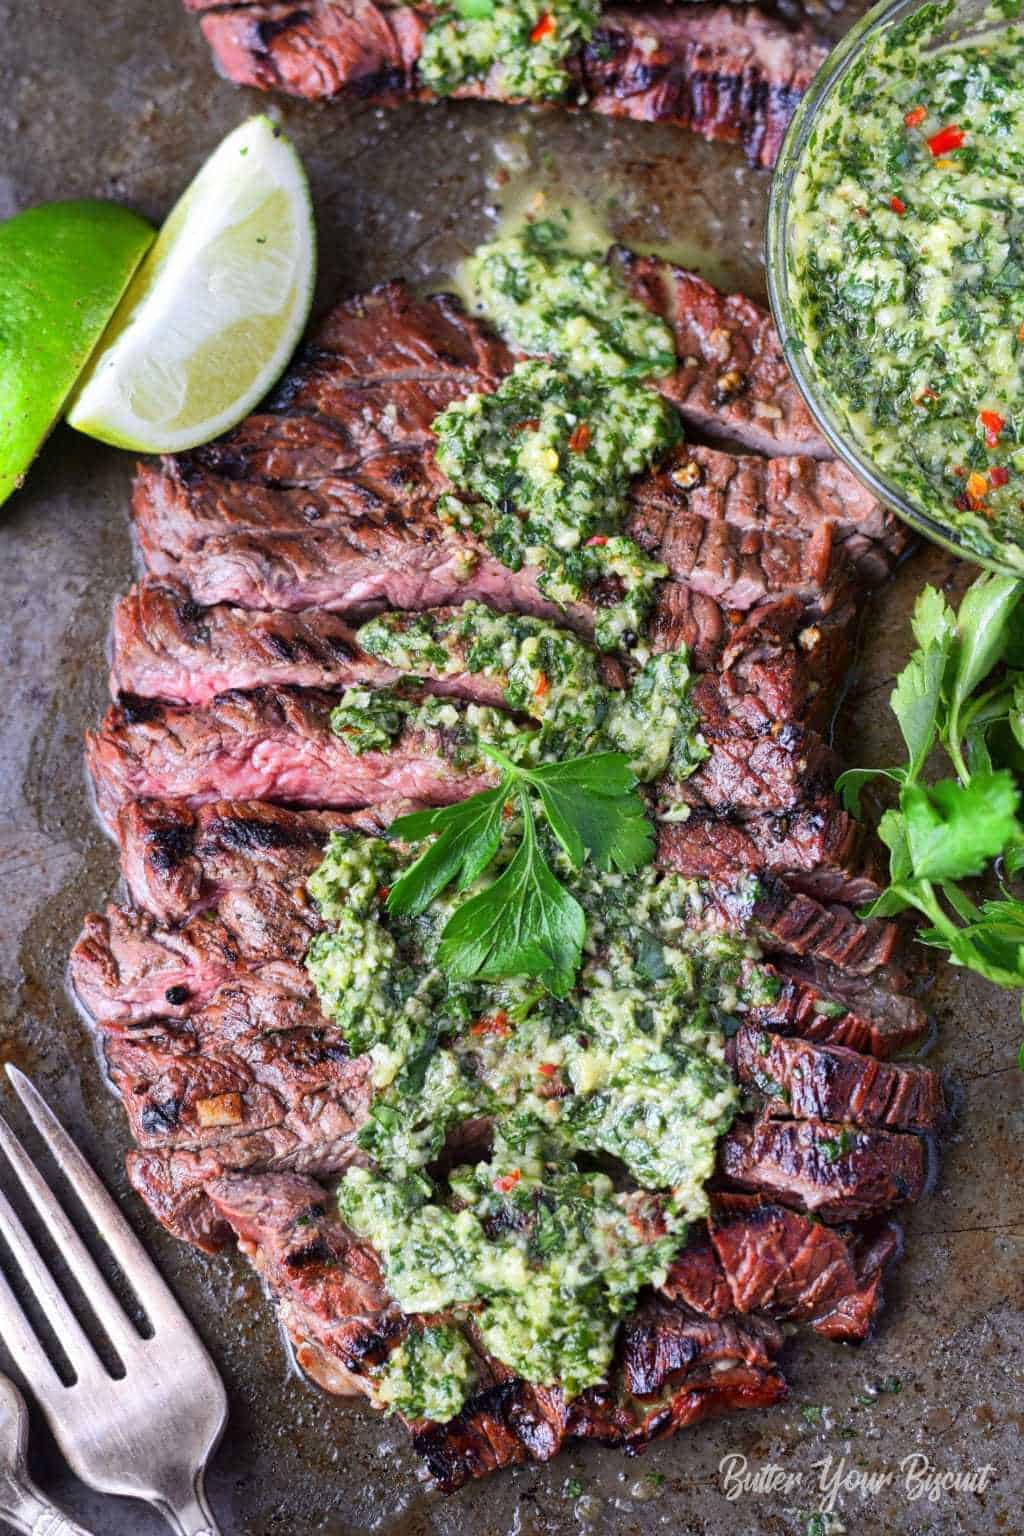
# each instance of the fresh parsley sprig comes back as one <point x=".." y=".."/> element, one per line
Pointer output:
<point x="951" y="695"/>
<point x="525" y="923"/>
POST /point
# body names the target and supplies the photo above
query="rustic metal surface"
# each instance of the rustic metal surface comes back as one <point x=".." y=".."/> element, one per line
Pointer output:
<point x="117" y="98"/>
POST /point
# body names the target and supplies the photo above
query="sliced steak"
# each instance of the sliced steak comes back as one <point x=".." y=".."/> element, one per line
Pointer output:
<point x="335" y="1309"/>
<point x="820" y="1002"/>
<point x="762" y="1257"/>
<point x="816" y="849"/>
<point x="790" y="497"/>
<point x="166" y="647"/>
<point x="817" y="1002"/>
<point x="127" y="968"/>
<point x="732" y="384"/>
<point x="837" y="1172"/>
<point x="256" y="1059"/>
<point x="270" y="744"/>
<point x="807" y="1080"/>
<point x="733" y="74"/>
<point x="795" y="924"/>
<point x="177" y="861"/>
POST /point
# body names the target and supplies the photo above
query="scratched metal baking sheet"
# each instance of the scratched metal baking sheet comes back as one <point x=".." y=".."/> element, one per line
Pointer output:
<point x="118" y="98"/>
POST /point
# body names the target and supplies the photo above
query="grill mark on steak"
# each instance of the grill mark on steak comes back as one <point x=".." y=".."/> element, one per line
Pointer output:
<point x="795" y="496"/>
<point x="836" y="1172"/>
<point x="761" y="1257"/>
<point x="817" y="1002"/>
<point x="270" y="744"/>
<point x="176" y="861"/>
<point x="157" y="654"/>
<point x="732" y="74"/>
<point x="809" y="1080"/>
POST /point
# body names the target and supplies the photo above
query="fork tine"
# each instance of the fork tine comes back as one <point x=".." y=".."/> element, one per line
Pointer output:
<point x="20" y="1339"/>
<point x="97" y="1292"/>
<point x="134" y="1261"/>
<point x="48" y="1294"/>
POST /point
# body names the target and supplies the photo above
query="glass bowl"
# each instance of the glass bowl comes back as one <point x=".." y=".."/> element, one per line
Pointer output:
<point x="966" y="16"/>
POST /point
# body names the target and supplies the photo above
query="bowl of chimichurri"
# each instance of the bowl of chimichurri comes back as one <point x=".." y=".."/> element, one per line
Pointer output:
<point x="895" y="255"/>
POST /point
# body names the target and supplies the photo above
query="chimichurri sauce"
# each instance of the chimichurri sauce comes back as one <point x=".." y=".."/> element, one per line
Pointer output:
<point x="907" y="267"/>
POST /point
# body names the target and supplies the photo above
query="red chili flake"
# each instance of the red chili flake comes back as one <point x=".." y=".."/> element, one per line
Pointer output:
<point x="507" y="1181"/>
<point x="542" y="686"/>
<point x="950" y="137"/>
<point x="958" y="469"/>
<point x="598" y="541"/>
<point x="962" y="504"/>
<point x="547" y="1069"/>
<point x="915" y="117"/>
<point x="531" y="424"/>
<point x="579" y="442"/>
<point x="383" y="892"/>
<point x="493" y="1024"/>
<point x="993" y="424"/>
<point x="861" y="213"/>
<point x="926" y="394"/>
<point x="998" y="474"/>
<point x="543" y="29"/>
<point x="897" y="204"/>
<point x="1020" y="332"/>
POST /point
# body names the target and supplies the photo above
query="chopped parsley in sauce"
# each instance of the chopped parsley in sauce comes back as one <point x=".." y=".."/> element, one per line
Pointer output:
<point x="907" y="270"/>
<point x="545" y="672"/>
<point x="547" y="460"/>
<point x="544" y="1251"/>
<point x="526" y="42"/>
<point x="568" y="305"/>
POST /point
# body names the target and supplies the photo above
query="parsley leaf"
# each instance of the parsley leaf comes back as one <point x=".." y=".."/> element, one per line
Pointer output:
<point x="524" y="924"/>
<point x="954" y="829"/>
<point x="591" y="807"/>
<point x="470" y="832"/>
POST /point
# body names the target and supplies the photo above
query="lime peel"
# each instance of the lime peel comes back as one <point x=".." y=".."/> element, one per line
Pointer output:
<point x="63" y="268"/>
<point x="214" y="313"/>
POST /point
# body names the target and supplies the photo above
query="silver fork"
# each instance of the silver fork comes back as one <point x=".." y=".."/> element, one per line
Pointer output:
<point x="149" y="1434"/>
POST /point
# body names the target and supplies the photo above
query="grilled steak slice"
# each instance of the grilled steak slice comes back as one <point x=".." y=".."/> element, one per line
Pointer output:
<point x="166" y="647"/>
<point x="837" y="1172"/>
<point x="337" y="1313"/>
<point x="820" y="1002"/>
<point x="761" y="1257"/>
<point x="732" y="384"/>
<point x="270" y="744"/>
<point x="126" y="968"/>
<point x="357" y="542"/>
<point x="730" y="74"/>
<point x="796" y="924"/>
<point x="794" y="496"/>
<point x="816" y="1002"/>
<point x="329" y="1284"/>
<point x="176" y="861"/>
<point x="807" y="1080"/>
<point x="256" y="1059"/>
<point x="816" y="849"/>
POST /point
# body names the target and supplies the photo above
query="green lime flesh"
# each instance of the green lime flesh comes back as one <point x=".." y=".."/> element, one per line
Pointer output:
<point x="63" y="269"/>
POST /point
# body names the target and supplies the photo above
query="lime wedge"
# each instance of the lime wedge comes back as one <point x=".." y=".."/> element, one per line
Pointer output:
<point x="216" y="309"/>
<point x="63" y="268"/>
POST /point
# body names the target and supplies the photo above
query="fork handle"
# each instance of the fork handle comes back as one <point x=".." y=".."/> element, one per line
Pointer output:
<point x="35" y="1516"/>
<point x="193" y="1517"/>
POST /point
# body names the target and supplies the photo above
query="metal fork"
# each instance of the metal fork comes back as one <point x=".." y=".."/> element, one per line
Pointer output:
<point x="149" y="1434"/>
